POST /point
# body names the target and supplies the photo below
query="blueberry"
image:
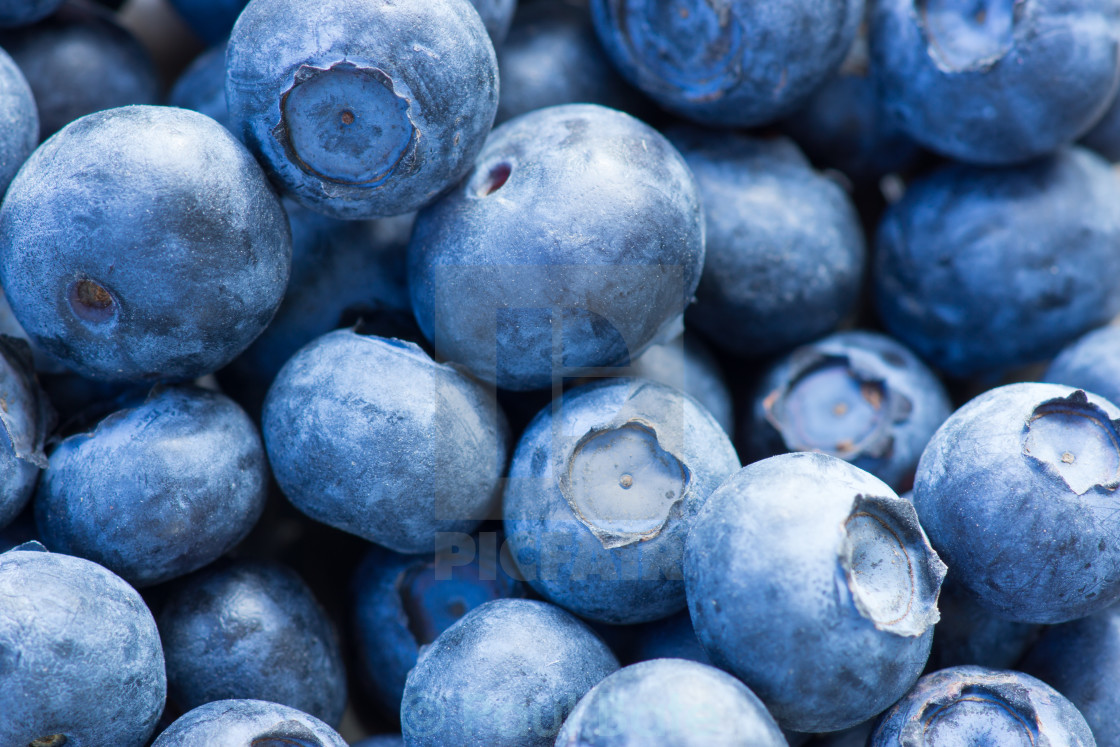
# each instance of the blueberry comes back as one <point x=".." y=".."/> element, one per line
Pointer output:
<point x="685" y="363"/>
<point x="856" y="395"/>
<point x="251" y="630"/>
<point x="844" y="124"/>
<point x="670" y="701"/>
<point x="24" y="424"/>
<point x="343" y="273"/>
<point x="1091" y="362"/>
<point x="508" y="673"/>
<point x="576" y="240"/>
<point x="157" y="490"/>
<point x="248" y="723"/>
<point x="80" y="657"/>
<point x="79" y="61"/>
<point x="973" y="705"/>
<point x="1081" y="660"/>
<point x="143" y="242"/>
<point x="731" y="63"/>
<point x="19" y="120"/>
<point x="785" y="251"/>
<point x="403" y="603"/>
<point x="804" y="572"/>
<point x="553" y="57"/>
<point x="212" y="20"/>
<point x="24" y="12"/>
<point x="978" y="270"/>
<point x="373" y="437"/>
<point x="995" y="81"/>
<point x="362" y="110"/>
<point x="1017" y="491"/>
<point x="202" y="86"/>
<point x="603" y="488"/>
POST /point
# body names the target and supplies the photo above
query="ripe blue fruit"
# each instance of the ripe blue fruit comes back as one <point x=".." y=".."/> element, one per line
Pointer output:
<point x="80" y="656"/>
<point x="251" y="630"/>
<point x="670" y="701"/>
<point x="732" y="63"/>
<point x="553" y="57"/>
<point x="24" y="425"/>
<point x="158" y="489"/>
<point x="202" y="86"/>
<point x="603" y="488"/>
<point x="859" y="396"/>
<point x="79" y="61"/>
<point x="1092" y="363"/>
<point x="362" y="109"/>
<point x="981" y="269"/>
<point x="19" y="120"/>
<point x="343" y="273"/>
<point x="1018" y="492"/>
<point x="1081" y="660"/>
<point x="402" y="603"/>
<point x="756" y="299"/>
<point x="973" y="705"/>
<point x="576" y="240"/>
<point x="997" y="81"/>
<point x="506" y="675"/>
<point x="373" y="437"/>
<point x="803" y="572"/>
<point x="23" y="12"/>
<point x="247" y="722"/>
<point x="143" y="243"/>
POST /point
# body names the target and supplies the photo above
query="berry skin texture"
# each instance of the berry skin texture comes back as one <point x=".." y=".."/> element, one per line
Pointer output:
<point x="981" y="269"/>
<point x="577" y="240"/>
<point x="1018" y="491"/>
<point x="506" y="675"/>
<point x="257" y="723"/>
<point x="80" y="655"/>
<point x="252" y="630"/>
<point x="670" y="701"/>
<point x="24" y="425"/>
<point x="727" y="63"/>
<point x="158" y="490"/>
<point x="143" y="243"/>
<point x="19" y="120"/>
<point x="996" y="81"/>
<point x="603" y="489"/>
<point x="856" y="395"/>
<point x="373" y="437"/>
<point x="974" y="705"/>
<point x="362" y="109"/>
<point x="802" y="572"/>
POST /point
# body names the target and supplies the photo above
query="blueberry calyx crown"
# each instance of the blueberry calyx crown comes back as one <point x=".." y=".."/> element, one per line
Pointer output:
<point x="347" y="124"/>
<point x="834" y="404"/>
<point x="888" y="566"/>
<point x="1012" y="719"/>
<point x="1075" y="440"/>
<point x="287" y="734"/>
<point x="622" y="483"/>
<point x="968" y="35"/>
<point x="703" y="65"/>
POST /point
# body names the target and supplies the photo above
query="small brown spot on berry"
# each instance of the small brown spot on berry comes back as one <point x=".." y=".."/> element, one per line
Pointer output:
<point x="347" y="117"/>
<point x="91" y="301"/>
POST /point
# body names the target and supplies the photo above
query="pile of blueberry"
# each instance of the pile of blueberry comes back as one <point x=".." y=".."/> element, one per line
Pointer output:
<point x="750" y="383"/>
